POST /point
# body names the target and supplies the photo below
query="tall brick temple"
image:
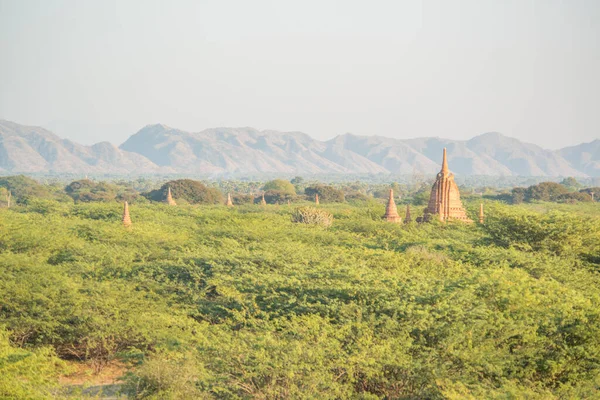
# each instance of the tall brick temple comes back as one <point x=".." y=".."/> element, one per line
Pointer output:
<point x="444" y="201"/>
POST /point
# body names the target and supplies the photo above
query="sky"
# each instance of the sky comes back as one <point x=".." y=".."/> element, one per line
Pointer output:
<point x="101" y="70"/>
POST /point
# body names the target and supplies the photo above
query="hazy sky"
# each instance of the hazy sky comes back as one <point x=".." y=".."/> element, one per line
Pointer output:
<point x="101" y="70"/>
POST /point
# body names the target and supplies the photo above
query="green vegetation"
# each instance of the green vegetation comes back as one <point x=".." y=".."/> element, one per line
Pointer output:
<point x="312" y="216"/>
<point x="280" y="185"/>
<point x="327" y="194"/>
<point x="564" y="192"/>
<point x="192" y="192"/>
<point x="205" y="301"/>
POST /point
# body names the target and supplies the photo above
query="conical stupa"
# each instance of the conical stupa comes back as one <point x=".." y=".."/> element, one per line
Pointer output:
<point x="481" y="216"/>
<point x="317" y="198"/>
<point x="391" y="212"/>
<point x="407" y="217"/>
<point x="229" y="203"/>
<point x="444" y="200"/>
<point x="126" y="217"/>
<point x="170" y="200"/>
<point x="263" y="202"/>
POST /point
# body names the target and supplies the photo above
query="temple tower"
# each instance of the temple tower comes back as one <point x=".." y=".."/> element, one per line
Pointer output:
<point x="444" y="201"/>
<point x="229" y="203"/>
<point x="170" y="200"/>
<point x="391" y="212"/>
<point x="317" y="198"/>
<point x="407" y="217"/>
<point x="126" y="217"/>
<point x="263" y="202"/>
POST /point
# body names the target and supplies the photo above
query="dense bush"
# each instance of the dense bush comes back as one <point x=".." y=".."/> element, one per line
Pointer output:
<point x="545" y="191"/>
<point x="278" y="197"/>
<point x="211" y="302"/>
<point x="589" y="191"/>
<point x="240" y="199"/>
<point x="573" y="197"/>
<point x="327" y="194"/>
<point x="280" y="185"/>
<point x="312" y="216"/>
<point x="193" y="192"/>
<point x="22" y="187"/>
<point x="27" y="374"/>
<point x="558" y="233"/>
<point x="87" y="191"/>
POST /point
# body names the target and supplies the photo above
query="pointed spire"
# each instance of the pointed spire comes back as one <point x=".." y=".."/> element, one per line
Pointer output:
<point x="407" y="218"/>
<point x="288" y="202"/>
<point x="229" y="202"/>
<point x="444" y="164"/>
<point x="126" y="217"/>
<point x="170" y="200"/>
<point x="317" y="198"/>
<point x="262" y="200"/>
<point x="481" y="216"/>
<point x="391" y="212"/>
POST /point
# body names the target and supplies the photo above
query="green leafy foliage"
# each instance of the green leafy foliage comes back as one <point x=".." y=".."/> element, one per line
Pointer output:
<point x="87" y="191"/>
<point x="280" y="185"/>
<point x="193" y="192"/>
<point x="327" y="194"/>
<point x="26" y="374"/>
<point x="211" y="302"/>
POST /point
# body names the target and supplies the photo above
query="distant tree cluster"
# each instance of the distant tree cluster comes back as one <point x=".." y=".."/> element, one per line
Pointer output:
<point x="327" y="194"/>
<point x="193" y="192"/>
<point x="552" y="191"/>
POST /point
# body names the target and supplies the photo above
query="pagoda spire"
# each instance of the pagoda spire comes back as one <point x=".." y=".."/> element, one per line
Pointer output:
<point x="445" y="169"/>
<point x="407" y="217"/>
<point x="170" y="200"/>
<point x="317" y="198"/>
<point x="391" y="212"/>
<point x="126" y="217"/>
<point x="229" y="203"/>
<point x="263" y="201"/>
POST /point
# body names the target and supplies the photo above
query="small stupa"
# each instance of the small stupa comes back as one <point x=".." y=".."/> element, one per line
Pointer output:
<point x="391" y="212"/>
<point x="263" y="202"/>
<point x="481" y="216"/>
<point x="170" y="200"/>
<point x="229" y="203"/>
<point x="407" y="217"/>
<point x="444" y="200"/>
<point x="126" y="217"/>
<point x="317" y="198"/>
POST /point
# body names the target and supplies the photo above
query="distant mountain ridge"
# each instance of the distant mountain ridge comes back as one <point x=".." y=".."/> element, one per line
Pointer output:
<point x="160" y="149"/>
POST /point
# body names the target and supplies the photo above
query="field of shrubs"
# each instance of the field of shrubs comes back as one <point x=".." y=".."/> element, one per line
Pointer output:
<point x="278" y="301"/>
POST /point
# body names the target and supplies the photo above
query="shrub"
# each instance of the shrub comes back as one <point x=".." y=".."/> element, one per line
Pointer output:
<point x="280" y="185"/>
<point x="86" y="191"/>
<point x="518" y="195"/>
<point x="312" y="216"/>
<point x="239" y="199"/>
<point x="573" y="197"/>
<point x="545" y="191"/>
<point x="194" y="192"/>
<point x="278" y="197"/>
<point x="22" y="186"/>
<point x="327" y="194"/>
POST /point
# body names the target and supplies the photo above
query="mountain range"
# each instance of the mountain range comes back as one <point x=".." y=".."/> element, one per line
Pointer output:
<point x="159" y="149"/>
